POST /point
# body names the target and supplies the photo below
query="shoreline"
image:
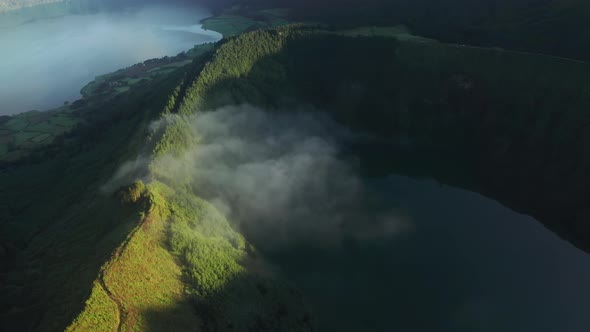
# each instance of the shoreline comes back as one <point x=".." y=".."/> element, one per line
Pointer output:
<point x="224" y="24"/>
<point x="19" y="130"/>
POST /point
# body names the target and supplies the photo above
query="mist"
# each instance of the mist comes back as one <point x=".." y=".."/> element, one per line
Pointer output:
<point x="281" y="177"/>
<point x="390" y="253"/>
<point x="46" y="62"/>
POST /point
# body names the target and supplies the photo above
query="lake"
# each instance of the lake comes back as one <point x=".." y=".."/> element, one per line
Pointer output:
<point x="462" y="262"/>
<point x="375" y="252"/>
<point x="46" y="62"/>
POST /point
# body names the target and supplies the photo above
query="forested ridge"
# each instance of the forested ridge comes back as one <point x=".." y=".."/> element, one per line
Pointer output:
<point x="541" y="26"/>
<point x="98" y="231"/>
<point x="512" y="122"/>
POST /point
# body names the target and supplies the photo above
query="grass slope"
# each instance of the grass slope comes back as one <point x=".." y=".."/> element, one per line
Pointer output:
<point x="57" y="227"/>
<point x="22" y="133"/>
<point x="61" y="234"/>
<point x="184" y="267"/>
<point x="138" y="286"/>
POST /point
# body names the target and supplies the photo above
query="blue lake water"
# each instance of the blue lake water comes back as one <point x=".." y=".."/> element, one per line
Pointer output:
<point x="46" y="62"/>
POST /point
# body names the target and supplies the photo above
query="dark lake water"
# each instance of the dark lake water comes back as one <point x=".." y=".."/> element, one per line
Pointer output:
<point x="374" y="253"/>
<point x="462" y="262"/>
<point x="46" y="62"/>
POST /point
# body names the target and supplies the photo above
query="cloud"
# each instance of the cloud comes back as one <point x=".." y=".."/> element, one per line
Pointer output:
<point x="126" y="174"/>
<point x="279" y="176"/>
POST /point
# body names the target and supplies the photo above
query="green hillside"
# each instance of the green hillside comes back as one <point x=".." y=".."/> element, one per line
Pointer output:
<point x="102" y="235"/>
<point x="141" y="258"/>
<point x="555" y="27"/>
<point x="57" y="227"/>
<point x="509" y="124"/>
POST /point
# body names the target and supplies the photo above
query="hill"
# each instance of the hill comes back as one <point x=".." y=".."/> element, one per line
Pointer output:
<point x="142" y="257"/>
<point x="108" y="235"/>
<point x="506" y="123"/>
<point x="552" y="27"/>
<point x="484" y="119"/>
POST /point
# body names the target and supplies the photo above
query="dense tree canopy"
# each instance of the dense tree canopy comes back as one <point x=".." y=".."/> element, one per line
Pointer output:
<point x="541" y="26"/>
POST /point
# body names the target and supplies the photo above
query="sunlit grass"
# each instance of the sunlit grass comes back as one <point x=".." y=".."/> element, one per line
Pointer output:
<point x="141" y="277"/>
<point x="101" y="313"/>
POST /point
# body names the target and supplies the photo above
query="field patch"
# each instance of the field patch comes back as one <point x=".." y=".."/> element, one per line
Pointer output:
<point x="43" y="127"/>
<point x="23" y="137"/>
<point x="43" y="138"/>
<point x="121" y="89"/>
<point x="229" y="25"/>
<point x="399" y="32"/>
<point x="63" y="121"/>
<point x="132" y="81"/>
<point x="5" y="136"/>
<point x="30" y="130"/>
<point x="16" y="124"/>
<point x="235" y="22"/>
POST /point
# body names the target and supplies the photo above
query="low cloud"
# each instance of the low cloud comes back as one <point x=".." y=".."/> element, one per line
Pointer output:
<point x="279" y="176"/>
<point x="127" y="173"/>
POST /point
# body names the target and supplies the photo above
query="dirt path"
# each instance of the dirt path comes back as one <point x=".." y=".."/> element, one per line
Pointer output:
<point x="122" y="312"/>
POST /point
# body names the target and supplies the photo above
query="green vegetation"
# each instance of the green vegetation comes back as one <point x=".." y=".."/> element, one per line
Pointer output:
<point x="57" y="225"/>
<point x="225" y="292"/>
<point x="25" y="132"/>
<point x="474" y="117"/>
<point x="103" y="313"/>
<point x="399" y="32"/>
<point x="157" y="276"/>
<point x="552" y="27"/>
<point x="141" y="280"/>
<point x="236" y="21"/>
<point x="213" y="290"/>
<point x="152" y="255"/>
<point x="120" y="81"/>
<point x="425" y="91"/>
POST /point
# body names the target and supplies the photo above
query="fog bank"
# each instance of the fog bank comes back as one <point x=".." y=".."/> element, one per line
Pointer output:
<point x="280" y="177"/>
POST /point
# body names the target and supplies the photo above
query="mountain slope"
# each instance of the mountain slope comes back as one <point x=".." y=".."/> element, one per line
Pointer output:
<point x="175" y="260"/>
<point x="555" y="27"/>
<point x="57" y="226"/>
<point x="443" y="110"/>
<point x="504" y="123"/>
<point x="114" y="224"/>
